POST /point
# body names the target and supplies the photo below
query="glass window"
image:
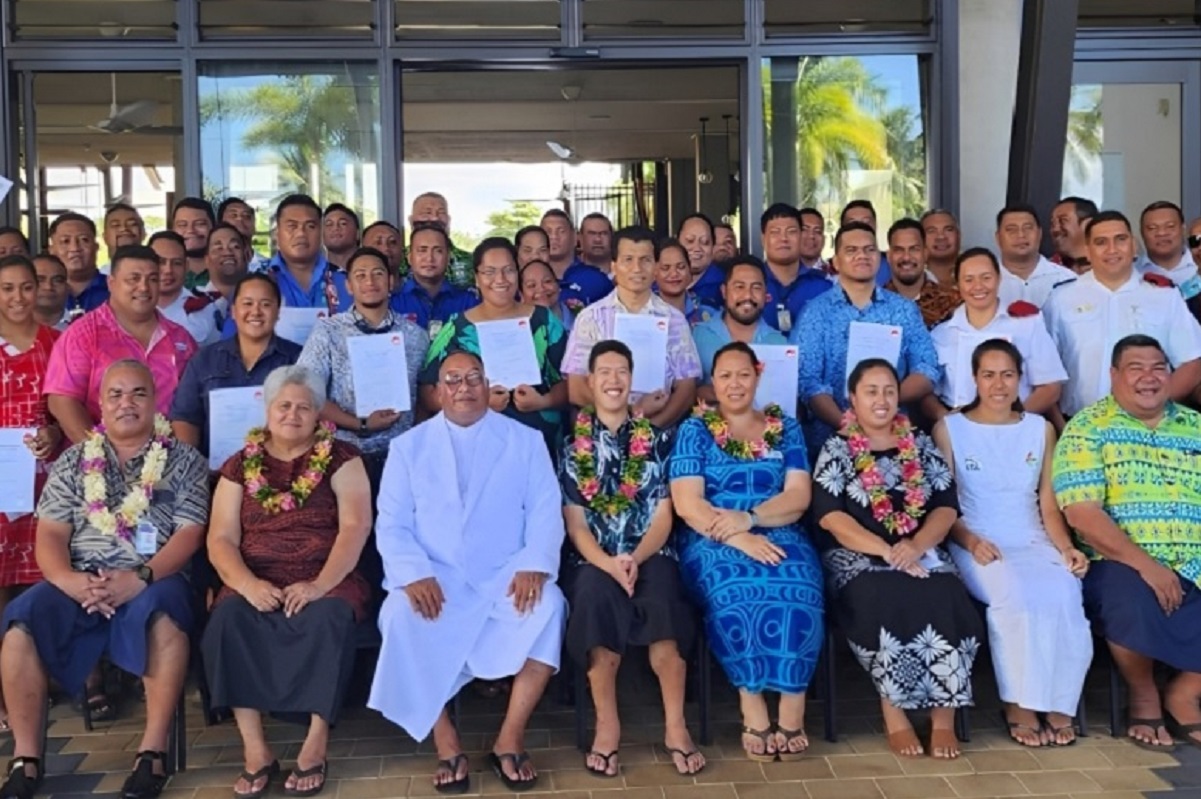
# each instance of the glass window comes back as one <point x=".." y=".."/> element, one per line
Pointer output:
<point x="1145" y="13"/>
<point x="231" y="19"/>
<point x="790" y="18"/>
<point x="627" y="19"/>
<point x="91" y="19"/>
<point x="841" y="128"/>
<point x="478" y="19"/>
<point x="102" y="138"/>
<point x="269" y="129"/>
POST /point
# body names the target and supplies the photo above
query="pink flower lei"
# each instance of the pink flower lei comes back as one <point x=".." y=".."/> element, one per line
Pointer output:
<point x="773" y="432"/>
<point x="583" y="455"/>
<point x="913" y="478"/>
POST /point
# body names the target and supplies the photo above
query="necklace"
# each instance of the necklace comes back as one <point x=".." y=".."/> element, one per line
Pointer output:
<point x="302" y="487"/>
<point x="583" y="455"/>
<point x="137" y="499"/>
<point x="913" y="478"/>
<point x="773" y="431"/>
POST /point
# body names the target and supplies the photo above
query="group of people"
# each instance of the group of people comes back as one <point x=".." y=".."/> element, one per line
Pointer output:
<point x="968" y="425"/>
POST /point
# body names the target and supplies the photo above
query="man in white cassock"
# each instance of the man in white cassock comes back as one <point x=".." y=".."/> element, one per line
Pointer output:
<point x="470" y="527"/>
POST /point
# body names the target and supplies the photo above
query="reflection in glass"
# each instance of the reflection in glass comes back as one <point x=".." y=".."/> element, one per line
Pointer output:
<point x="269" y="130"/>
<point x="791" y="18"/>
<point x="102" y="20"/>
<point x="231" y="19"/>
<point x="631" y="19"/>
<point x="843" y="128"/>
<point x="471" y="19"/>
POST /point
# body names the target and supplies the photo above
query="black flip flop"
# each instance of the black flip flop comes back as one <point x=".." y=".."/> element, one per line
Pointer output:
<point x="269" y="771"/>
<point x="300" y="774"/>
<point x="1154" y="724"/>
<point x="517" y="761"/>
<point x="602" y="772"/>
<point x="1011" y="726"/>
<point x="673" y="752"/>
<point x="452" y="765"/>
<point x="1183" y="731"/>
<point x="1071" y="725"/>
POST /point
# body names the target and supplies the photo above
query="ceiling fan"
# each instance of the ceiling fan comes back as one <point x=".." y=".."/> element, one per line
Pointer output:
<point x="136" y="117"/>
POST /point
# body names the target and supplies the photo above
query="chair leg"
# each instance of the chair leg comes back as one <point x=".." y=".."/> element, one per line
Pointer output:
<point x="1115" y="700"/>
<point x="1081" y="717"/>
<point x="705" y="675"/>
<point x="963" y="727"/>
<point x="579" y="681"/>
<point x="830" y="687"/>
<point x="178" y="756"/>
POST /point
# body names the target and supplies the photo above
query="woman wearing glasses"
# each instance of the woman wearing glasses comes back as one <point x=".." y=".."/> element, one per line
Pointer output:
<point x="539" y="406"/>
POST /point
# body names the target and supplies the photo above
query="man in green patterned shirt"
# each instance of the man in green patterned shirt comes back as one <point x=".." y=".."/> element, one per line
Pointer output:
<point x="432" y="207"/>
<point x="1127" y="474"/>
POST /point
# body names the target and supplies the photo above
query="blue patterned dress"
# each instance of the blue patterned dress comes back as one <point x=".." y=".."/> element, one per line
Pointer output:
<point x="764" y="622"/>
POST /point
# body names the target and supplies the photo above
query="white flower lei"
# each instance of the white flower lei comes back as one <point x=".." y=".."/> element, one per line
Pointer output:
<point x="137" y="501"/>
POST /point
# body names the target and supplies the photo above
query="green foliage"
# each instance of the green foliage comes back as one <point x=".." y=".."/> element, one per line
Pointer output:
<point x="507" y="221"/>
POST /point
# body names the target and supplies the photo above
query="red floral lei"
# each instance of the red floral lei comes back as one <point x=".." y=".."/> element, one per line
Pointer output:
<point x="913" y="478"/>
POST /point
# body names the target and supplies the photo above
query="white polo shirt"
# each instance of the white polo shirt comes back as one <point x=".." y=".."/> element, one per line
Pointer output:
<point x="1086" y="320"/>
<point x="956" y="339"/>
<point x="1036" y="288"/>
<point x="1183" y="275"/>
<point x="202" y="325"/>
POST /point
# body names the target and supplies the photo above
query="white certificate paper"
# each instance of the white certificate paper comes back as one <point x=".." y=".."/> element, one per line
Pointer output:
<point x="17" y="470"/>
<point x="296" y="324"/>
<point x="872" y="340"/>
<point x="507" y="350"/>
<point x="380" y="373"/>
<point x="232" y="414"/>
<point x="646" y="336"/>
<point x="778" y="383"/>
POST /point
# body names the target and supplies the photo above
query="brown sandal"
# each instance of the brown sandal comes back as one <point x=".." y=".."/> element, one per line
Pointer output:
<point x="786" y="754"/>
<point x="944" y="739"/>
<point x="904" y="739"/>
<point x="767" y="737"/>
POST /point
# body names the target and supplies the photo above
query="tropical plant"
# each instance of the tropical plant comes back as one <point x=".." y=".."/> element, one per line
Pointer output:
<point x="907" y="154"/>
<point x="516" y="215"/>
<point x="1085" y="132"/>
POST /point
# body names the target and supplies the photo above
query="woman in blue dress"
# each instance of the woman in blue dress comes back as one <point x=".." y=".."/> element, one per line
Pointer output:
<point x="740" y="481"/>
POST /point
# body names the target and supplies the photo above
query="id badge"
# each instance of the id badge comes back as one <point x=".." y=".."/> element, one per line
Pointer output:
<point x="784" y="317"/>
<point x="435" y="326"/>
<point x="145" y="539"/>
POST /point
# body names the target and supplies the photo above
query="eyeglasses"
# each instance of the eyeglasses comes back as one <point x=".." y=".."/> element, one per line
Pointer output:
<point x="454" y="380"/>
<point x="491" y="274"/>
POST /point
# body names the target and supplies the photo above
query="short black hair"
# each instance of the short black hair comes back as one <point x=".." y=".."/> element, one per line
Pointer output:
<point x="71" y="216"/>
<point x="995" y="345"/>
<point x="938" y="212"/>
<point x="778" y="211"/>
<point x="1017" y="208"/>
<point x="115" y="207"/>
<point x="332" y="207"/>
<point x="976" y="252"/>
<point x="698" y="215"/>
<point x="607" y="346"/>
<point x="488" y="245"/>
<point x="1084" y="208"/>
<point x="1106" y="216"/>
<point x="430" y="227"/>
<point x="558" y="213"/>
<point x="297" y="201"/>
<point x="9" y="230"/>
<point x="132" y="252"/>
<point x="529" y="230"/>
<point x="46" y="255"/>
<point x="226" y="226"/>
<point x="852" y="227"/>
<point x="228" y="201"/>
<point x="196" y="204"/>
<point x="1131" y="342"/>
<point x="735" y="346"/>
<point x="379" y="223"/>
<point x="635" y="234"/>
<point x="743" y="260"/>
<point x="367" y="252"/>
<point x="671" y="243"/>
<point x="167" y="235"/>
<point x="255" y="277"/>
<point x="810" y="211"/>
<point x="1161" y="205"/>
<point x="865" y="366"/>
<point x="597" y="215"/>
<point x="23" y="261"/>
<point x="907" y="223"/>
<point x="864" y="204"/>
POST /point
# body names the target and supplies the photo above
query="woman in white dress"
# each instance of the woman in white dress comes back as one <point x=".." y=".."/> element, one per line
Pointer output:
<point x="982" y="317"/>
<point x="1014" y="550"/>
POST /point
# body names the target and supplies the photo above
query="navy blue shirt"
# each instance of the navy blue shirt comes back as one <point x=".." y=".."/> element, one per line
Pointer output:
<point x="412" y="301"/>
<point x="584" y="284"/>
<point x="809" y="283"/>
<point x="92" y="297"/>
<point x="220" y="366"/>
<point x="708" y="285"/>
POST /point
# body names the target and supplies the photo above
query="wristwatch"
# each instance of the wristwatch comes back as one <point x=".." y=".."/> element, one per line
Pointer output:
<point x="145" y="574"/>
<point x="754" y="518"/>
<point x="363" y="426"/>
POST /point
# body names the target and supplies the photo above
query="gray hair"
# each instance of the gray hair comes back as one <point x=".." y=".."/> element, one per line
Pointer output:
<point x="293" y="376"/>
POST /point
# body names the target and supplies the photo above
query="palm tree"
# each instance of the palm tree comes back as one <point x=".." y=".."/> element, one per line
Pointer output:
<point x="907" y="153"/>
<point x="1085" y="132"/>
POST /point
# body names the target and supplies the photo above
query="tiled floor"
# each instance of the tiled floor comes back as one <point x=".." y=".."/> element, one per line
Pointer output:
<point x="371" y="759"/>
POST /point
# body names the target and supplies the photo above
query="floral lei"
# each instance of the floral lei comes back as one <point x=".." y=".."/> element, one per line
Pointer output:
<point x="773" y="431"/>
<point x="302" y="487"/>
<point x="137" y="500"/>
<point x="913" y="477"/>
<point x="583" y="454"/>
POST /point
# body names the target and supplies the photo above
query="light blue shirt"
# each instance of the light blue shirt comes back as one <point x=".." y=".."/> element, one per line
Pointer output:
<point x="712" y="335"/>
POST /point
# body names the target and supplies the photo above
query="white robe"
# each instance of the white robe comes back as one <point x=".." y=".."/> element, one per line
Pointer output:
<point x="510" y="520"/>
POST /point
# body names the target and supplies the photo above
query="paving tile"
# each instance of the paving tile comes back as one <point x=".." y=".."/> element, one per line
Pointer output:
<point x="1001" y="760"/>
<point x="1061" y="757"/>
<point x="98" y="743"/>
<point x="70" y="783"/>
<point x="1131" y="755"/>
<point x="934" y="766"/>
<point x="914" y="787"/>
<point x="849" y="766"/>
<point x="731" y="771"/>
<point x="629" y="793"/>
<point x="770" y="790"/>
<point x="842" y="789"/>
<point x="699" y="792"/>
<point x="987" y="785"/>
<point x="1058" y="782"/>
<point x="657" y="774"/>
<point x="372" y="788"/>
<point x="811" y="768"/>
<point x="1127" y="779"/>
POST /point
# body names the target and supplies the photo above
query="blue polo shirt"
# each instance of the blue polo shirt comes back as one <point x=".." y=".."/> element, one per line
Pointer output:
<point x="585" y="283"/>
<point x="412" y="301"/>
<point x="296" y="297"/>
<point x="220" y="366"/>
<point x="809" y="283"/>
<point x="708" y="285"/>
<point x="92" y="297"/>
<point x="712" y="335"/>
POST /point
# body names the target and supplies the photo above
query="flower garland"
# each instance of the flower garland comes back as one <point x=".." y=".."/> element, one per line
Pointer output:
<point x="773" y="431"/>
<point x="274" y="501"/>
<point x="137" y="500"/>
<point x="583" y="455"/>
<point x="913" y="477"/>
